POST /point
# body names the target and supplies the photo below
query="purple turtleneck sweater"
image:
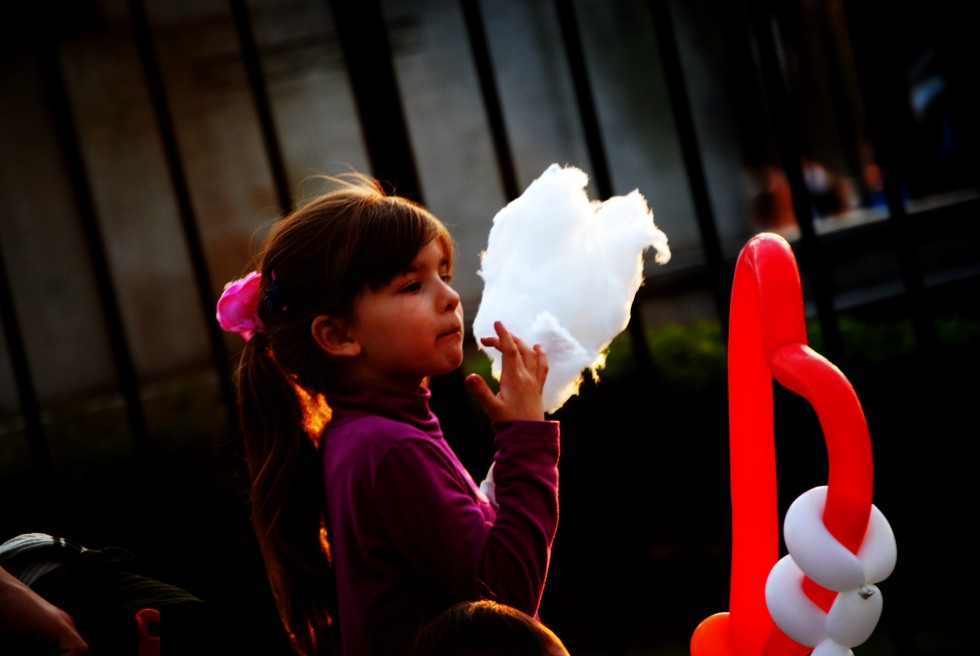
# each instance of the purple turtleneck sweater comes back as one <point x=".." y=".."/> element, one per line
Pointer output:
<point x="410" y="531"/>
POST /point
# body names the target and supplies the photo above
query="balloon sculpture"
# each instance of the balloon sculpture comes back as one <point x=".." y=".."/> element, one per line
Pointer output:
<point x="821" y="597"/>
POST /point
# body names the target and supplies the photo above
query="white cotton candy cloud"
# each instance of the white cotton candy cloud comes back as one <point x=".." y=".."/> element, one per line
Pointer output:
<point x="562" y="270"/>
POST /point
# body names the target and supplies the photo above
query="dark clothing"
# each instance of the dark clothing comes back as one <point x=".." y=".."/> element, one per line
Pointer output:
<point x="103" y="590"/>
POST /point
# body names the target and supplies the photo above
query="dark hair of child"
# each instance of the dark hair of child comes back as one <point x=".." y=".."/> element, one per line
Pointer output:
<point x="487" y="628"/>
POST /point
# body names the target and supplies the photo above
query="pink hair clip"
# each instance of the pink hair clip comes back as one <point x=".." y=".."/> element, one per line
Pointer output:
<point x="238" y="307"/>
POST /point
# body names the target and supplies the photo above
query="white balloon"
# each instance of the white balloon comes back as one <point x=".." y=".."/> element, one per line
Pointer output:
<point x="827" y="561"/>
<point x="790" y="608"/>
<point x="815" y="550"/>
<point x="831" y="648"/>
<point x="854" y="614"/>
<point x="878" y="553"/>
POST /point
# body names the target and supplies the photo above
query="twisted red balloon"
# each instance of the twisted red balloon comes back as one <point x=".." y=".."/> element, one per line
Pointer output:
<point x="767" y="340"/>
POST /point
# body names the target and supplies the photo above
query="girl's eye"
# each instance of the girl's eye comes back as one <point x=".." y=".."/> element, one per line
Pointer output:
<point x="412" y="287"/>
<point x="447" y="278"/>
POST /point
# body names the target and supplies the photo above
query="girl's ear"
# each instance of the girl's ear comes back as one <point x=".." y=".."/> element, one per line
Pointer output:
<point x="332" y="336"/>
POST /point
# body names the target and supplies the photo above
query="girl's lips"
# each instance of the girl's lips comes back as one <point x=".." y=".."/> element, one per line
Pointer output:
<point x="457" y="331"/>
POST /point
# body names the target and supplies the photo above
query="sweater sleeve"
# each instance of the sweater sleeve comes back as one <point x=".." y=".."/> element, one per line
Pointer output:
<point x="525" y="473"/>
<point x="428" y="508"/>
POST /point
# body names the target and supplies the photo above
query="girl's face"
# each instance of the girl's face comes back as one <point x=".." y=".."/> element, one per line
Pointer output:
<point x="410" y="328"/>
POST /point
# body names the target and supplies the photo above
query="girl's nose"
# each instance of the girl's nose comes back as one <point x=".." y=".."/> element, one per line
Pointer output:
<point x="452" y="299"/>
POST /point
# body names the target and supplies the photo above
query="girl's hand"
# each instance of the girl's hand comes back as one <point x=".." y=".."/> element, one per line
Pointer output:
<point x="522" y="377"/>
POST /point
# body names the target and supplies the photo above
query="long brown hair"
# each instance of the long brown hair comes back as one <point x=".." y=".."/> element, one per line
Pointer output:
<point x="316" y="260"/>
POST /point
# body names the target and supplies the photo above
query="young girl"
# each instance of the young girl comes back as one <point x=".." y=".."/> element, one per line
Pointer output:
<point x="368" y="523"/>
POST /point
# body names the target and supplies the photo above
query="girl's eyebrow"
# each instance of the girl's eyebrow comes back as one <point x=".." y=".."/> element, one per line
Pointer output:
<point x="417" y="265"/>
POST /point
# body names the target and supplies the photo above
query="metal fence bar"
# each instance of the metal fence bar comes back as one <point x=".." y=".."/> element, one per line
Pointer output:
<point x="74" y="162"/>
<point x="263" y="108"/>
<point x="883" y="85"/>
<point x="787" y="129"/>
<point x="364" y="40"/>
<point x="584" y="98"/>
<point x="491" y="99"/>
<point x="192" y="237"/>
<point x="720" y="275"/>
<point x="29" y="407"/>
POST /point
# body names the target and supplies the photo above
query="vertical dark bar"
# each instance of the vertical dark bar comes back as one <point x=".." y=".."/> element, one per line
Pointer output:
<point x="720" y="275"/>
<point x="154" y="81"/>
<point x="29" y="407"/>
<point x="491" y="99"/>
<point x="597" y="154"/>
<point x="881" y="74"/>
<point x="877" y="33"/>
<point x="600" y="173"/>
<point x="584" y="97"/>
<point x="256" y="82"/>
<point x="787" y="129"/>
<point x="364" y="40"/>
<point x="68" y="136"/>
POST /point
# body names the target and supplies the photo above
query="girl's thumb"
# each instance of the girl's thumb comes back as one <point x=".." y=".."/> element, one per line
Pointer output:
<point x="479" y="388"/>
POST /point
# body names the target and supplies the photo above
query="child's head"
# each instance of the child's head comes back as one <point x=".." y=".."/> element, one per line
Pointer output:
<point x="487" y="628"/>
<point x="318" y="260"/>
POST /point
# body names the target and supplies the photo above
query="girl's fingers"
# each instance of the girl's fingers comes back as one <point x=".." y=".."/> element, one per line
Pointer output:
<point x="507" y="340"/>
<point x="522" y="376"/>
<point x="507" y="346"/>
<point x="526" y="352"/>
<point x="490" y="342"/>
<point x="541" y="364"/>
<point x="507" y="337"/>
<point x="517" y="353"/>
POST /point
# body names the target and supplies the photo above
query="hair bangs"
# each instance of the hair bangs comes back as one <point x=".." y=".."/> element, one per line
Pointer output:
<point x="396" y="234"/>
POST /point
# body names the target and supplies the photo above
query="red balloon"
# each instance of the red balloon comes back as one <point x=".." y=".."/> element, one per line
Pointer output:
<point x="711" y="637"/>
<point x="767" y="341"/>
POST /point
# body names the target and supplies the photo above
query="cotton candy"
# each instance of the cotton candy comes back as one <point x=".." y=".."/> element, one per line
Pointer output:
<point x="561" y="270"/>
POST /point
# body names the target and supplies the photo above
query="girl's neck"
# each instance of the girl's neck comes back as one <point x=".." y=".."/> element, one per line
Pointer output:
<point x="406" y="385"/>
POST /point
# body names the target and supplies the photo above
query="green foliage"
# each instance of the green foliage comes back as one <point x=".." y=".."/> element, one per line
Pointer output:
<point x="693" y="355"/>
<point x="876" y="343"/>
<point x="956" y="331"/>
<point x="869" y="343"/>
<point x="689" y="356"/>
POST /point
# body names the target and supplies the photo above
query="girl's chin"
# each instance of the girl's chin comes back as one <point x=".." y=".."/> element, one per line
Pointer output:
<point x="452" y="364"/>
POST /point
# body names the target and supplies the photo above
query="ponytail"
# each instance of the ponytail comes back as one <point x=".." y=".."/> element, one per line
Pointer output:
<point x="287" y="500"/>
